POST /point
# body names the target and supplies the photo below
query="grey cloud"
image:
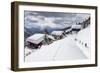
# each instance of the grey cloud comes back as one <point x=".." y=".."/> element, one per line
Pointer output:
<point x="55" y="18"/>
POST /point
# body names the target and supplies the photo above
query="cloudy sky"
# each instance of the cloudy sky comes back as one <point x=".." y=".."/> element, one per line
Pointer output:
<point x="52" y="19"/>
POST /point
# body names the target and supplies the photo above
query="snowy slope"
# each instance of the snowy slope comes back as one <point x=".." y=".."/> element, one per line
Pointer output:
<point x="64" y="49"/>
<point x="84" y="37"/>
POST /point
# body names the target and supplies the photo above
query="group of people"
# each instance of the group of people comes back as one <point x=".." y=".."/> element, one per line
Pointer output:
<point x="82" y="43"/>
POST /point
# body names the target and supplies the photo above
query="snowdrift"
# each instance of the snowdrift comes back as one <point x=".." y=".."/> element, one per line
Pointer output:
<point x="84" y="41"/>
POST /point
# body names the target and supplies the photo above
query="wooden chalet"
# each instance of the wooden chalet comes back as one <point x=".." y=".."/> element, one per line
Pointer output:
<point x="35" y="41"/>
<point x="75" y="28"/>
<point x="58" y="34"/>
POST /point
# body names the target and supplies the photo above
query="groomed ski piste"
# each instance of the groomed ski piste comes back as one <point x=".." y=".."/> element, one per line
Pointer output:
<point x="65" y="49"/>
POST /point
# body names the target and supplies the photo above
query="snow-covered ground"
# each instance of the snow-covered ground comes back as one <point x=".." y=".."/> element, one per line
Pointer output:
<point x="84" y="37"/>
<point x="64" y="49"/>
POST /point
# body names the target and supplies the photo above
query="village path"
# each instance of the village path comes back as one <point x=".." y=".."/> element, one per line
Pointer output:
<point x="64" y="49"/>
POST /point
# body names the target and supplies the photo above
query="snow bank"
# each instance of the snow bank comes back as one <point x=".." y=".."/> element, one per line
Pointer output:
<point x="84" y="41"/>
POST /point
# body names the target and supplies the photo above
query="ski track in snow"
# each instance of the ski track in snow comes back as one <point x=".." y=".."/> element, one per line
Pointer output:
<point x="64" y="49"/>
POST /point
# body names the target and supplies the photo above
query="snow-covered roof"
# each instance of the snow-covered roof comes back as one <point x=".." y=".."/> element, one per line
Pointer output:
<point x="57" y="32"/>
<point x="36" y="38"/>
<point x="76" y="26"/>
<point x="68" y="30"/>
<point x="51" y="37"/>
